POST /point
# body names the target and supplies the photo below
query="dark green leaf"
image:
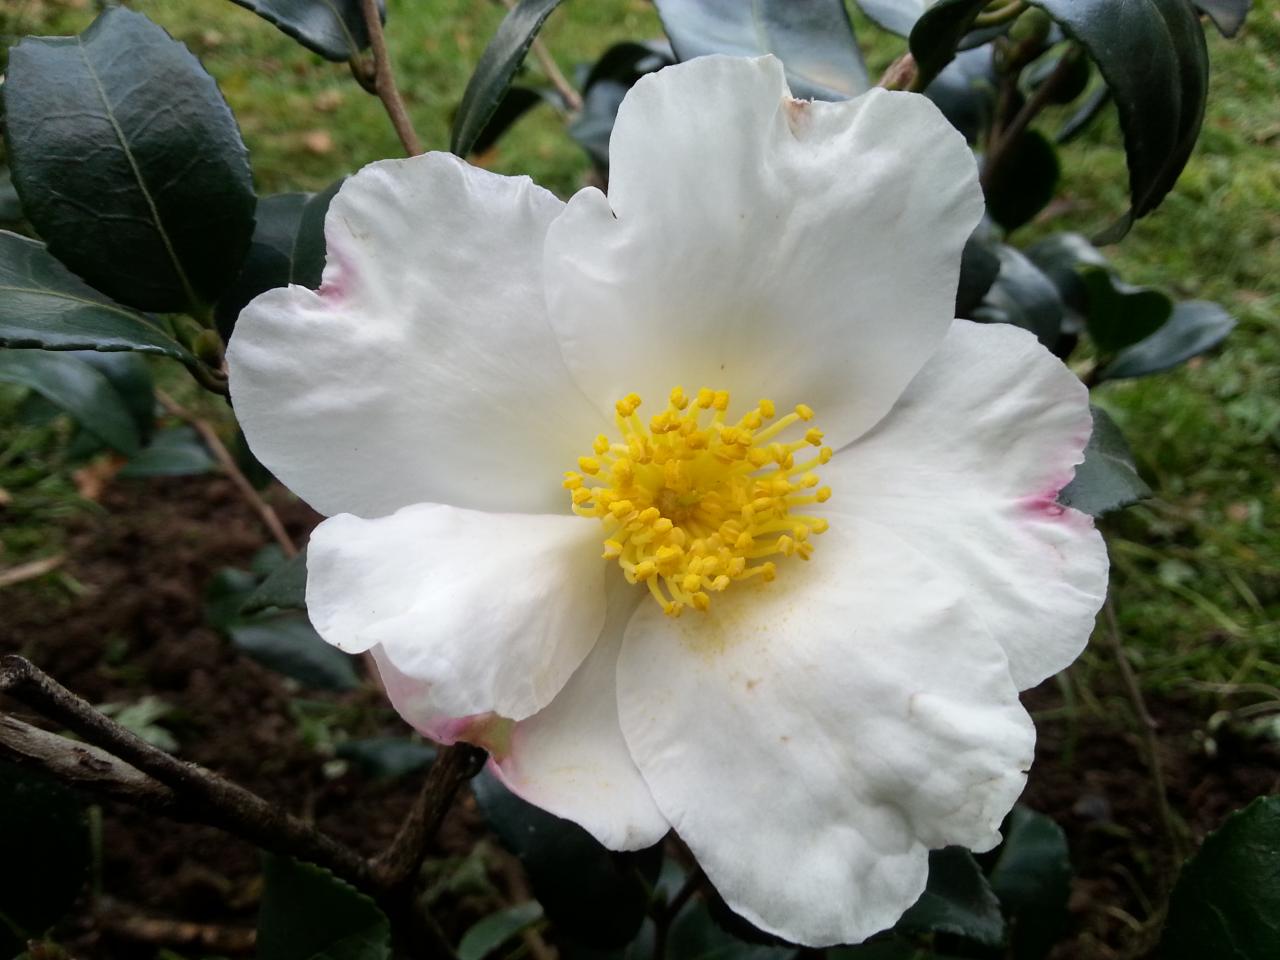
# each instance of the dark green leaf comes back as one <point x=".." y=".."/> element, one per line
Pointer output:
<point x="896" y="16"/>
<point x="225" y="595"/>
<point x="309" y="914"/>
<point x="77" y="388"/>
<point x="1032" y="879"/>
<point x="1153" y="57"/>
<point x="10" y="205"/>
<point x="498" y="64"/>
<point x="131" y="377"/>
<point x="813" y="39"/>
<point x="1069" y="85"/>
<point x="176" y="452"/>
<point x="44" y="854"/>
<point x="1022" y="296"/>
<point x="590" y="893"/>
<point x="606" y="84"/>
<point x="1119" y="314"/>
<point x="965" y="91"/>
<point x="1107" y="480"/>
<point x="1024" y="181"/>
<point x="957" y="900"/>
<point x="937" y="34"/>
<point x="285" y="587"/>
<point x="288" y="247"/>
<point x="979" y="267"/>
<point x="1061" y="258"/>
<point x="387" y="757"/>
<point x="1227" y="15"/>
<point x="43" y="304"/>
<point x="1194" y="327"/>
<point x="1085" y="114"/>
<point x="697" y="935"/>
<point x="332" y="28"/>
<point x="496" y="929"/>
<point x="288" y="644"/>
<point x="515" y="103"/>
<point x="161" y="217"/>
<point x="1227" y="900"/>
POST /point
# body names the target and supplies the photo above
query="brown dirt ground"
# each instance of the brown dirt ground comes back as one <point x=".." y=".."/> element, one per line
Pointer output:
<point x="144" y="565"/>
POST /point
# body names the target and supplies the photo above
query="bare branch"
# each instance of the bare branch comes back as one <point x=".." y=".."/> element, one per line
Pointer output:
<point x="220" y="452"/>
<point x="384" y="81"/>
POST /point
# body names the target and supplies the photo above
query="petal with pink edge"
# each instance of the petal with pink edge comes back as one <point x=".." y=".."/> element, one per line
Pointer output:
<point x="813" y="738"/>
<point x="967" y="467"/>
<point x="424" y="369"/>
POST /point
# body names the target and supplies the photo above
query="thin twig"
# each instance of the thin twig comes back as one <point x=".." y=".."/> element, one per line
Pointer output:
<point x="901" y="74"/>
<point x="220" y="452"/>
<point x="571" y="97"/>
<point x="1003" y="141"/>
<point x="1148" y="726"/>
<point x="125" y="923"/>
<point x="29" y="571"/>
<point x="384" y="81"/>
<point x="203" y="794"/>
<point x="453" y="766"/>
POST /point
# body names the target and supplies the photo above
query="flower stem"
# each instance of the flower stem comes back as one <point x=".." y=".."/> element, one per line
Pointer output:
<point x="384" y="81"/>
<point x="1000" y="15"/>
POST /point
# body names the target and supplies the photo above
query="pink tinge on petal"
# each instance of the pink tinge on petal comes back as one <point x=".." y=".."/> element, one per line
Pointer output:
<point x="335" y="284"/>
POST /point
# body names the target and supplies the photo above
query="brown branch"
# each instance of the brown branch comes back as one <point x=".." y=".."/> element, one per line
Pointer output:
<point x="571" y="97"/>
<point x="384" y="81"/>
<point x="398" y="865"/>
<point x="117" y="920"/>
<point x="901" y="74"/>
<point x="270" y="518"/>
<point x="1002" y="141"/>
<point x="203" y="795"/>
<point x="29" y="571"/>
<point x="1147" y="724"/>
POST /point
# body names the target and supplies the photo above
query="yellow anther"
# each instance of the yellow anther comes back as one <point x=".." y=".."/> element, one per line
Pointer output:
<point x="691" y="506"/>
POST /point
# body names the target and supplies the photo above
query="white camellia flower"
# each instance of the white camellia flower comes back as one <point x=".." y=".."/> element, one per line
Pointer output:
<point x="806" y="662"/>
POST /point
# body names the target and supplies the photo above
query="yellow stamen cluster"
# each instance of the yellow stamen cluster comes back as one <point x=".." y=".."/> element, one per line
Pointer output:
<point x="690" y="502"/>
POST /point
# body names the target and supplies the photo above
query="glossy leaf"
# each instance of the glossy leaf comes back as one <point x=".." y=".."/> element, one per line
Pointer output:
<point x="387" y="757"/>
<point x="958" y="900"/>
<point x="896" y="16"/>
<point x="10" y="205"/>
<point x="696" y="935"/>
<point x="1119" y="314"/>
<point x="43" y="304"/>
<point x="309" y="914"/>
<point x="965" y="91"/>
<point x="1227" y="899"/>
<point x="1153" y="57"/>
<point x="1024" y="182"/>
<point x="1088" y="111"/>
<point x="334" y="29"/>
<point x="486" y="936"/>
<point x="813" y="39"/>
<point x="937" y="35"/>
<point x="176" y="452"/>
<point x="287" y="247"/>
<point x="44" y="854"/>
<point x="1227" y="15"/>
<point x="77" y="388"/>
<point x="1032" y="879"/>
<point x="1194" y="327"/>
<point x="285" y="587"/>
<point x="1062" y="257"/>
<point x="288" y="644"/>
<point x="606" y="84"/>
<point x="1107" y="480"/>
<point x="591" y="894"/>
<point x="1022" y="296"/>
<point x="161" y="217"/>
<point x="979" y="267"/>
<point x="492" y="76"/>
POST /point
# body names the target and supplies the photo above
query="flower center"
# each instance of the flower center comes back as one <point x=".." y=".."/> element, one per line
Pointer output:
<point x="692" y="503"/>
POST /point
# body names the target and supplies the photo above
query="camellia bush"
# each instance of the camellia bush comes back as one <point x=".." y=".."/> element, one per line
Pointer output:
<point x="708" y="523"/>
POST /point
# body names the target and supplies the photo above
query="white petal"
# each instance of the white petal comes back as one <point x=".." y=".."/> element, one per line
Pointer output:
<point x="485" y="612"/>
<point x="811" y="739"/>
<point x="804" y="251"/>
<point x="967" y="467"/>
<point x="424" y="369"/>
<point x="571" y="758"/>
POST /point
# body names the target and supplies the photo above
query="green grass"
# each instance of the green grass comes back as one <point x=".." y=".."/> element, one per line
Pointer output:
<point x="1197" y="571"/>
